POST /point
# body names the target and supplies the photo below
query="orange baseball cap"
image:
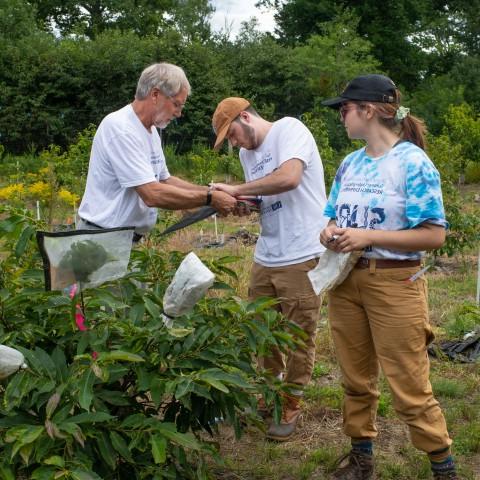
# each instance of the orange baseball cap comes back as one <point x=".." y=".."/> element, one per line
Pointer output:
<point x="226" y="112"/>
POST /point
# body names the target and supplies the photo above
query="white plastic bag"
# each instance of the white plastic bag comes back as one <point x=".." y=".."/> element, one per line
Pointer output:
<point x="190" y="283"/>
<point x="11" y="361"/>
<point x="332" y="270"/>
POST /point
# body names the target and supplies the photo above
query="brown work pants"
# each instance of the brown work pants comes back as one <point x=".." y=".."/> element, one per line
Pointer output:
<point x="298" y="302"/>
<point x="377" y="320"/>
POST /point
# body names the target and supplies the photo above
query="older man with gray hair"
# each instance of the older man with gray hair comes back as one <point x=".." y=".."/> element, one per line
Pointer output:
<point x="127" y="175"/>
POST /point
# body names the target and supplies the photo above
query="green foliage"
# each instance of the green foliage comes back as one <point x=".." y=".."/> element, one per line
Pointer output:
<point x="463" y="128"/>
<point x="329" y="60"/>
<point x="462" y="320"/>
<point x="129" y="397"/>
<point x="464" y="226"/>
<point x="329" y="160"/>
<point x="472" y="172"/>
<point x="444" y="387"/>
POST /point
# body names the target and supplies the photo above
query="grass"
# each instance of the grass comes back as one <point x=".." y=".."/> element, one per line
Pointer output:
<point x="312" y="452"/>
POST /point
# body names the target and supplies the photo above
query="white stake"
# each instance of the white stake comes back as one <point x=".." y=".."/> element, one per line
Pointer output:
<point x="38" y="210"/>
<point x="216" y="228"/>
<point x="478" y="280"/>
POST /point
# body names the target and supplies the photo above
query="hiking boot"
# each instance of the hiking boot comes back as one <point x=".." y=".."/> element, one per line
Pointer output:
<point x="262" y="410"/>
<point x="288" y="423"/>
<point x="450" y="475"/>
<point x="359" y="467"/>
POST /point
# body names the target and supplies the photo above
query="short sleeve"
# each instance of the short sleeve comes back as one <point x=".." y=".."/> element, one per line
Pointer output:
<point x="424" y="201"/>
<point x="296" y="142"/>
<point x="130" y="161"/>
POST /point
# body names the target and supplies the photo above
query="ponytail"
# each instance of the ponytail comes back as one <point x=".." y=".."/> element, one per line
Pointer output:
<point x="414" y="130"/>
<point x="407" y="126"/>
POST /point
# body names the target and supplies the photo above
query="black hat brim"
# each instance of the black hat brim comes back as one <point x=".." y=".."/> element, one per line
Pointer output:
<point x="334" y="102"/>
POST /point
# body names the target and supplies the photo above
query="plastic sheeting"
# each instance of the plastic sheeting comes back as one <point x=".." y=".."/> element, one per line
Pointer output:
<point x="86" y="257"/>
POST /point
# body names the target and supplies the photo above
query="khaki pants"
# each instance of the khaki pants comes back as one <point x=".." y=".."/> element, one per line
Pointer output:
<point x="298" y="302"/>
<point x="379" y="320"/>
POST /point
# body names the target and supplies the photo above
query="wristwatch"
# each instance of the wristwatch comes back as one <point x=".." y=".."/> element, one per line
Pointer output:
<point x="209" y="196"/>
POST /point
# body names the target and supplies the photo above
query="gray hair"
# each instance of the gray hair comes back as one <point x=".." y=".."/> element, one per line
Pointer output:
<point x="169" y="78"/>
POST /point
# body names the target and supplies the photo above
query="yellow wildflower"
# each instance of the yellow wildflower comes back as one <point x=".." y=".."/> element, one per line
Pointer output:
<point x="68" y="197"/>
<point x="40" y="190"/>
<point x="12" y="192"/>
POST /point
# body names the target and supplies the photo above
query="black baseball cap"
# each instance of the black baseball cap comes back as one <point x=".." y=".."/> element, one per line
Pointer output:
<point x="368" y="88"/>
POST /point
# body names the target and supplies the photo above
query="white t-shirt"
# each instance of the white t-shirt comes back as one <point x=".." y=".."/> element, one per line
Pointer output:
<point x="291" y="221"/>
<point x="124" y="155"/>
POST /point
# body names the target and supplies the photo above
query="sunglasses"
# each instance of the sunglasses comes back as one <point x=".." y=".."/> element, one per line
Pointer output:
<point x="344" y="109"/>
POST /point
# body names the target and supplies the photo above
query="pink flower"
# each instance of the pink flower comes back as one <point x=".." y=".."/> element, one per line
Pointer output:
<point x="94" y="355"/>
<point x="80" y="319"/>
<point x="73" y="290"/>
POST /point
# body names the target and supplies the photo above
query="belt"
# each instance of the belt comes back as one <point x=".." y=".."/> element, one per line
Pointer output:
<point x="135" y="239"/>
<point x="386" y="263"/>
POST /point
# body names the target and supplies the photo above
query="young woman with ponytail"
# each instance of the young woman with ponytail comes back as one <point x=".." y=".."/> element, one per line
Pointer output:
<point x="385" y="200"/>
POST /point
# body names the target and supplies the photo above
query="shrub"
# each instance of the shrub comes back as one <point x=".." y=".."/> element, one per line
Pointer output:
<point x="128" y="398"/>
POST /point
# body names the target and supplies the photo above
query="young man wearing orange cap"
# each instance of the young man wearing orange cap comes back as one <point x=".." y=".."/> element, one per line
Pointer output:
<point x="282" y="165"/>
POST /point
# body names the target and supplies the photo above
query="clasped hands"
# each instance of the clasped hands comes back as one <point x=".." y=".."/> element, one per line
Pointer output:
<point x="345" y="239"/>
<point x="234" y="206"/>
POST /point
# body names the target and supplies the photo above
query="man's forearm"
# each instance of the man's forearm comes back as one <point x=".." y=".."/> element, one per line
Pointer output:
<point x="178" y="182"/>
<point x="172" y="197"/>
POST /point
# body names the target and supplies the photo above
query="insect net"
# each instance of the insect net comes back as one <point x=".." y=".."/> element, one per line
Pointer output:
<point x="84" y="257"/>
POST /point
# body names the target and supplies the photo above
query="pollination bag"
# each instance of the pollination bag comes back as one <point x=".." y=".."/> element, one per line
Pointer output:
<point x="85" y="257"/>
<point x="190" y="283"/>
<point x="332" y="270"/>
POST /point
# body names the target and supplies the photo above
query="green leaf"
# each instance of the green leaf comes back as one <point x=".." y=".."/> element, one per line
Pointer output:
<point x="55" y="460"/>
<point x="180" y="332"/>
<point x="106" y="450"/>
<point x="85" y="393"/>
<point x="215" y="383"/>
<point x="43" y="473"/>
<point x="25" y="236"/>
<point x="113" y="397"/>
<point x="186" y="440"/>
<point x="136" y="313"/>
<point x="121" y="447"/>
<point x="116" y="355"/>
<point x="84" y="475"/>
<point x="159" y="448"/>
<point x="152" y="308"/>
<point x="90" y="417"/>
<point x="6" y="473"/>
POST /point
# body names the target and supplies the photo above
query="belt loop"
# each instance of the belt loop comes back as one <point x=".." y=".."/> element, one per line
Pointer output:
<point x="372" y="265"/>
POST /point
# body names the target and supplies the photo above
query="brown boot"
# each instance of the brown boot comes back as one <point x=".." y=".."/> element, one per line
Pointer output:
<point x="359" y="467"/>
<point x="290" y="415"/>
<point x="262" y="410"/>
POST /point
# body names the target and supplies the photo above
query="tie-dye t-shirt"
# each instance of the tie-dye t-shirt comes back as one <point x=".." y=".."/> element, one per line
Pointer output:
<point x="397" y="191"/>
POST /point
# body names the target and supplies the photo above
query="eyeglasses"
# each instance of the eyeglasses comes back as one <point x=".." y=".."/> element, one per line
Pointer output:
<point x="346" y="108"/>
<point x="178" y="106"/>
